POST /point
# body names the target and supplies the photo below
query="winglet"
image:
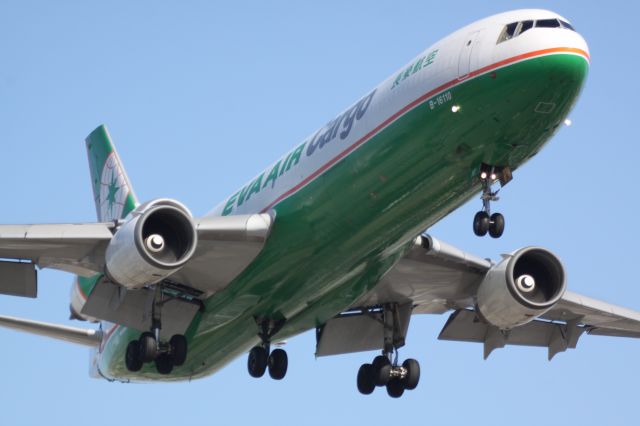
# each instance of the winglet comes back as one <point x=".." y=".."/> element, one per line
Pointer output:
<point x="112" y="190"/>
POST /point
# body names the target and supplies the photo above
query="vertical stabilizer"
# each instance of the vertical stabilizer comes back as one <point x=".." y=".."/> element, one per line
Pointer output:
<point x="112" y="190"/>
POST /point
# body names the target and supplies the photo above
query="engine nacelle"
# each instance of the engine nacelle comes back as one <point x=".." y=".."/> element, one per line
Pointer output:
<point x="521" y="287"/>
<point x="155" y="241"/>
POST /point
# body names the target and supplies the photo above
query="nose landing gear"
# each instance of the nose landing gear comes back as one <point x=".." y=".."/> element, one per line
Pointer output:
<point x="484" y="221"/>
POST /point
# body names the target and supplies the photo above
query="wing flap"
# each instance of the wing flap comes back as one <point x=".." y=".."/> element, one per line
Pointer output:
<point x="464" y="326"/>
<point x="18" y="279"/>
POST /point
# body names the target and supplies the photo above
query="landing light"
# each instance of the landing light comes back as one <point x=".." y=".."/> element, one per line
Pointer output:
<point x="483" y="175"/>
<point x="455" y="108"/>
<point x="567" y="122"/>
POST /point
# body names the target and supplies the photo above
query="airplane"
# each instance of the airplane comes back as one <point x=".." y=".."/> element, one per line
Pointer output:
<point x="330" y="237"/>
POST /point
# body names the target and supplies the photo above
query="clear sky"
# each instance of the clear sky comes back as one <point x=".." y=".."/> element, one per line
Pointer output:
<point x="200" y="96"/>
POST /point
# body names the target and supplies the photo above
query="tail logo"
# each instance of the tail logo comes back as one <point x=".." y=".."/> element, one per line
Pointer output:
<point x="113" y="190"/>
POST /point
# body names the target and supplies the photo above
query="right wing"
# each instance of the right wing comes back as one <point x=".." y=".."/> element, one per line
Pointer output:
<point x="75" y="248"/>
<point x="226" y="246"/>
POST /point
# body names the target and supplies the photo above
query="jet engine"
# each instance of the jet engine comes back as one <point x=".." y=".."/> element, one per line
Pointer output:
<point x="523" y="286"/>
<point x="156" y="240"/>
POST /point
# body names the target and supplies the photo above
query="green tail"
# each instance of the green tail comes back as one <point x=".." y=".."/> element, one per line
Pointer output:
<point x="112" y="191"/>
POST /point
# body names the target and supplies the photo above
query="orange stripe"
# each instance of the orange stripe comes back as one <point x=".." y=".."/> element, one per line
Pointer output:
<point x="418" y="101"/>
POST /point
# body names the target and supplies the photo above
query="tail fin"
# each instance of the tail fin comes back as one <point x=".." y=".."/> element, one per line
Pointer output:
<point x="112" y="191"/>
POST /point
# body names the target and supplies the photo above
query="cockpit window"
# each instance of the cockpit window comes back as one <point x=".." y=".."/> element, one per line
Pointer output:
<point x="525" y="26"/>
<point x="567" y="25"/>
<point x="547" y="23"/>
<point x="508" y="32"/>
<point x="514" y="29"/>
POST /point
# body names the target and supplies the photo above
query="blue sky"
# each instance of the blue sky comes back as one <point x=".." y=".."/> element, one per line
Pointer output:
<point x="201" y="96"/>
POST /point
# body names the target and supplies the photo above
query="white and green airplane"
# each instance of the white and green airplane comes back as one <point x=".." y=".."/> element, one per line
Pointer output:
<point x="330" y="236"/>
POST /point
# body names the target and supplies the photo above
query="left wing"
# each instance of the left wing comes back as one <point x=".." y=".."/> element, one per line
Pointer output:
<point x="435" y="277"/>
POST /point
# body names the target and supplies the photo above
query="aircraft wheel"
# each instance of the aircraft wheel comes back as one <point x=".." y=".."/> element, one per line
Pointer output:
<point x="164" y="363"/>
<point x="412" y="378"/>
<point x="496" y="226"/>
<point x="278" y="363"/>
<point x="381" y="370"/>
<point x="395" y="388"/>
<point x="148" y="346"/>
<point x="132" y="358"/>
<point x="257" y="361"/>
<point x="178" y="344"/>
<point x="481" y="223"/>
<point x="366" y="385"/>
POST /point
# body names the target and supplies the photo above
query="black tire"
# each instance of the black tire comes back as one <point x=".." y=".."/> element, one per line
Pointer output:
<point x="412" y="378"/>
<point x="481" y="223"/>
<point x="365" y="379"/>
<point x="278" y="363"/>
<point x="132" y="358"/>
<point x="164" y="363"/>
<point x="257" y="361"/>
<point x="496" y="227"/>
<point x="395" y="388"/>
<point x="148" y="346"/>
<point x="178" y="345"/>
<point x="381" y="370"/>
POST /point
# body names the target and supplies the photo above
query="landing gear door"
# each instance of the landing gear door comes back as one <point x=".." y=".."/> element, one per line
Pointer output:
<point x="467" y="49"/>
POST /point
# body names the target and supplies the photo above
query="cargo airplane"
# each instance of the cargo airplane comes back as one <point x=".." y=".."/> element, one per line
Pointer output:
<point x="330" y="236"/>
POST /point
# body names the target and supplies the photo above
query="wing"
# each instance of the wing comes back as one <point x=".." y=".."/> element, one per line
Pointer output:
<point x="77" y="248"/>
<point x="435" y="277"/>
<point x="226" y="246"/>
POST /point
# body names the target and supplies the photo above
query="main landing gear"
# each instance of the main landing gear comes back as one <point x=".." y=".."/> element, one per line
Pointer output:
<point x="262" y="358"/>
<point x="149" y="348"/>
<point x="484" y="221"/>
<point x="386" y="370"/>
<point x="395" y="377"/>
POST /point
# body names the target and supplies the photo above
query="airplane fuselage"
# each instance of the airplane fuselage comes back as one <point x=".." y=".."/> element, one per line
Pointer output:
<point x="350" y="198"/>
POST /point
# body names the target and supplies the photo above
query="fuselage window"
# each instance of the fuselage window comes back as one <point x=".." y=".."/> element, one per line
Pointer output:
<point x="567" y="25"/>
<point x="547" y="23"/>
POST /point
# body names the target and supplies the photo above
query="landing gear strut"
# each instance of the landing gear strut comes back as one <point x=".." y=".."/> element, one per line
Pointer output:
<point x="385" y="370"/>
<point x="262" y="358"/>
<point x="484" y="221"/>
<point x="148" y="347"/>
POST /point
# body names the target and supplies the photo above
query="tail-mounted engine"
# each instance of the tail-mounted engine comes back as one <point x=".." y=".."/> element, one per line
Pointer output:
<point x="521" y="287"/>
<point x="156" y="240"/>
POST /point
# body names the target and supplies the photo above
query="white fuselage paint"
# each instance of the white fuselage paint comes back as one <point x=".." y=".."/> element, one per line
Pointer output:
<point x="459" y="56"/>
